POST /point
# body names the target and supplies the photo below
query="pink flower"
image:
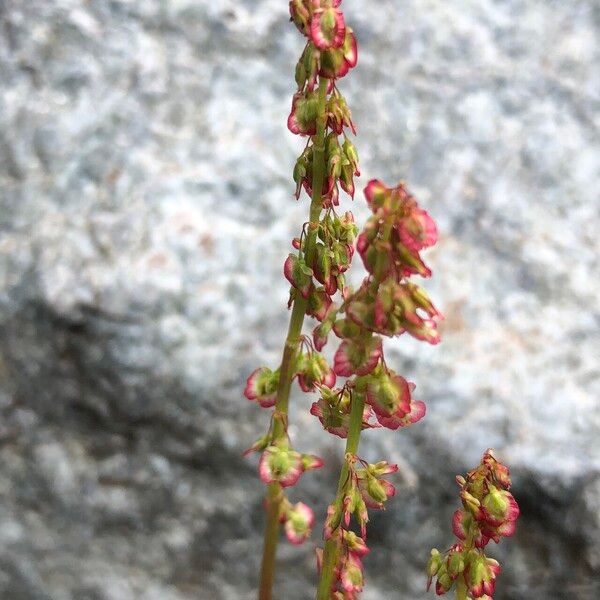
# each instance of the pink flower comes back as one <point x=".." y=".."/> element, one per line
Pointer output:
<point x="319" y="303"/>
<point x="303" y="116"/>
<point x="280" y="465"/>
<point x="376" y="194"/>
<point x="261" y="386"/>
<point x="298" y="274"/>
<point x="416" y="413"/>
<point x="358" y="357"/>
<point x="333" y="410"/>
<point x="351" y="574"/>
<point x="300" y="15"/>
<point x="462" y="521"/>
<point x="498" y="514"/>
<point x="336" y="62"/>
<point x="299" y="523"/>
<point x="417" y="230"/>
<point x="328" y="28"/>
<point x="314" y="371"/>
<point x="480" y="575"/>
<point x="388" y="394"/>
<point x="355" y="544"/>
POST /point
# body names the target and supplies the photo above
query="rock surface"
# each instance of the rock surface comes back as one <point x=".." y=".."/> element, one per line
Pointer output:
<point x="145" y="211"/>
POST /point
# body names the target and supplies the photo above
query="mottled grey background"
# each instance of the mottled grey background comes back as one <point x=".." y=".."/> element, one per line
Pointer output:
<point x="146" y="209"/>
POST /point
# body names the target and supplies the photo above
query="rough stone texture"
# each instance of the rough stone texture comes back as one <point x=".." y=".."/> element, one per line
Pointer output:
<point x="145" y="210"/>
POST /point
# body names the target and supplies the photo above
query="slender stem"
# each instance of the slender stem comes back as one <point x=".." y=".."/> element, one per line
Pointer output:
<point x="331" y="546"/>
<point x="286" y="370"/>
<point x="461" y="589"/>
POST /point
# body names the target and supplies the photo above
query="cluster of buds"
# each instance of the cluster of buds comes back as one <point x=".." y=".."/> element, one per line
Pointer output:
<point x="318" y="277"/>
<point x="342" y="159"/>
<point x="489" y="512"/>
<point x="364" y="488"/>
<point x="329" y="54"/>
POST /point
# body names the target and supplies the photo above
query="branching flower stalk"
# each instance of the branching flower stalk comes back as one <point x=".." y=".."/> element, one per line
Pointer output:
<point x="489" y="512"/>
<point x="387" y="304"/>
<point x="324" y="251"/>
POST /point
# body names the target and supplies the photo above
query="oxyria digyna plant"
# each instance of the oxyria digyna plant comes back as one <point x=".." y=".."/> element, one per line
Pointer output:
<point x="388" y="303"/>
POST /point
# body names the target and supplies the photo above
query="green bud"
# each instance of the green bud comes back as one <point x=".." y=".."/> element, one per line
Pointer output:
<point x="435" y="561"/>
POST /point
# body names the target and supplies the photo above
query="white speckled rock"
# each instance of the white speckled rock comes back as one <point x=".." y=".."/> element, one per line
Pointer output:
<point x="145" y="212"/>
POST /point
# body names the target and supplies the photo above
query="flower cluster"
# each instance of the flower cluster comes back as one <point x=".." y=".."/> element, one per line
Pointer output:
<point x="329" y="54"/>
<point x="386" y="304"/>
<point x="489" y="512"/>
<point x="364" y="488"/>
<point x="323" y="251"/>
<point x="330" y="258"/>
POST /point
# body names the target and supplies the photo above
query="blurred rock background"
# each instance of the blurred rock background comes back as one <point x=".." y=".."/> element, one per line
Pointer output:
<point x="145" y="212"/>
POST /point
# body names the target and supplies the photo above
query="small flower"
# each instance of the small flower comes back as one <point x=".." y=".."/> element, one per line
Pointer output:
<point x="333" y="410"/>
<point x="358" y="357"/>
<point x="298" y="274"/>
<point x="480" y="574"/>
<point x="355" y="544"/>
<point x="303" y="116"/>
<point x="388" y="394"/>
<point x="336" y="63"/>
<point x="310" y="462"/>
<point x="499" y="513"/>
<point x="462" y="523"/>
<point x="327" y="28"/>
<point x="261" y="386"/>
<point x="416" y="413"/>
<point x="319" y="303"/>
<point x="417" y="230"/>
<point x="299" y="523"/>
<point x="300" y="15"/>
<point x="374" y="490"/>
<point x="314" y="371"/>
<point x="280" y="465"/>
<point x="351" y="574"/>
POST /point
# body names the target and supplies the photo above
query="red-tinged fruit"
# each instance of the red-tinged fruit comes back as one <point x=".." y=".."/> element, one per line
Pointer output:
<point x="280" y="465"/>
<point x="298" y="274"/>
<point x="417" y="412"/>
<point x="357" y="357"/>
<point x="299" y="523"/>
<point x="314" y="371"/>
<point x="388" y="394"/>
<point x="261" y="387"/>
<point x="328" y="28"/>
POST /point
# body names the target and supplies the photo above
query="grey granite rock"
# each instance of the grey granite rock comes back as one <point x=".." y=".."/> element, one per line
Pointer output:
<point x="145" y="210"/>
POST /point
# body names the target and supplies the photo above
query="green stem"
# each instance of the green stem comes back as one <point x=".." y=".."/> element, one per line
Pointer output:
<point x="461" y="589"/>
<point x="331" y="546"/>
<point x="286" y="370"/>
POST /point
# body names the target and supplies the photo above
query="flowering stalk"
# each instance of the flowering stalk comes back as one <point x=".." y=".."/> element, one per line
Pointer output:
<point x="489" y="512"/>
<point x="324" y="251"/>
<point x="386" y="304"/>
<point x="300" y="306"/>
